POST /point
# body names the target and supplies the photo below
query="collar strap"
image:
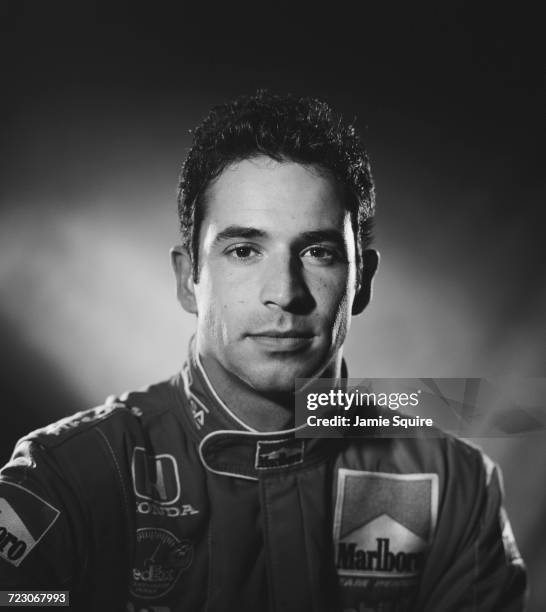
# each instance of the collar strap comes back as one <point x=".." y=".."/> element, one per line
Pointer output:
<point x="252" y="456"/>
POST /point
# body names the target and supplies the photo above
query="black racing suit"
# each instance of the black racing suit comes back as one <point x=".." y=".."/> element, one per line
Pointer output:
<point x="164" y="501"/>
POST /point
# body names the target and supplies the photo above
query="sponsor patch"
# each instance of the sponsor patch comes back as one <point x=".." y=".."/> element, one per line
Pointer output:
<point x="160" y="560"/>
<point x="136" y="411"/>
<point x="156" y="482"/>
<point x="74" y="421"/>
<point x="24" y="520"/>
<point x="198" y="414"/>
<point x="278" y="453"/>
<point x="198" y="409"/>
<point x="155" y="476"/>
<point x="383" y="524"/>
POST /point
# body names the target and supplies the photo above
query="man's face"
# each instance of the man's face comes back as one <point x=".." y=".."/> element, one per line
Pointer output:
<point x="277" y="273"/>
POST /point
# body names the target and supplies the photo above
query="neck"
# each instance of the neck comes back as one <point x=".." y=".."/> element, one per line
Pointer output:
<point x="262" y="412"/>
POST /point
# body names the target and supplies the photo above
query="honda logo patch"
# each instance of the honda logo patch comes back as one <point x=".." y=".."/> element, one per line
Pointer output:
<point x="155" y="477"/>
<point x="156" y="483"/>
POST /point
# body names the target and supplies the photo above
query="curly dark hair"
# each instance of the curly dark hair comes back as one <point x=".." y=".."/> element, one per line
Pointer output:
<point x="285" y="128"/>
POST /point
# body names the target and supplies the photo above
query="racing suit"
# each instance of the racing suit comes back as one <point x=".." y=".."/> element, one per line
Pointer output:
<point x="163" y="500"/>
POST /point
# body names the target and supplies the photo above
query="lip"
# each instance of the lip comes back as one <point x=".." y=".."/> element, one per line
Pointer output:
<point x="282" y="340"/>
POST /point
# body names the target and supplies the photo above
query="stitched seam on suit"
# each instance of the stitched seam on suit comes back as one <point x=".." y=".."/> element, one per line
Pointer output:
<point x="117" y="469"/>
<point x="268" y="557"/>
<point x="307" y="555"/>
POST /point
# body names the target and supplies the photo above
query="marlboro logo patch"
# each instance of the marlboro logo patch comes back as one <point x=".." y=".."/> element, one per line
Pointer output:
<point x="383" y="523"/>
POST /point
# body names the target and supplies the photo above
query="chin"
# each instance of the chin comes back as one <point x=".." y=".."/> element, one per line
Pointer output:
<point x="271" y="384"/>
<point x="277" y="380"/>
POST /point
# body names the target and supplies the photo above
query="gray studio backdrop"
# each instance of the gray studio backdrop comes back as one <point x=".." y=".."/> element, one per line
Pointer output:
<point x="96" y="120"/>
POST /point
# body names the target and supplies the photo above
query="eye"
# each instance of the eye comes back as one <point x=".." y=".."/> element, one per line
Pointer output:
<point x="320" y="254"/>
<point x="242" y="251"/>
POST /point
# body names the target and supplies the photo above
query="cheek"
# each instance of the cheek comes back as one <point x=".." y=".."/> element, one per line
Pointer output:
<point x="336" y="297"/>
<point x="209" y="298"/>
<point x="221" y="308"/>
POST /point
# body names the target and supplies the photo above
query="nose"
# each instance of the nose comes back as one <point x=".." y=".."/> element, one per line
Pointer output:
<point x="284" y="286"/>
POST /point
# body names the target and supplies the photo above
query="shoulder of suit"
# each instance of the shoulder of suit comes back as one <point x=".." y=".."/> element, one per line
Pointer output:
<point x="128" y="413"/>
<point x="431" y="450"/>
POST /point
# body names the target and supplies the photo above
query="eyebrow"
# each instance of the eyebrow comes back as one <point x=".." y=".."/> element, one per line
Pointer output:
<point x="241" y="231"/>
<point x="324" y="236"/>
<point x="238" y="231"/>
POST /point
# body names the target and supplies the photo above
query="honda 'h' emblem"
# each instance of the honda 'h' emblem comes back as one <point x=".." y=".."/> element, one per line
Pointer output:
<point x="155" y="477"/>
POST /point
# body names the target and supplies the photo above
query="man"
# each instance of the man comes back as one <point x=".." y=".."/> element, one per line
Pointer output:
<point x="196" y="494"/>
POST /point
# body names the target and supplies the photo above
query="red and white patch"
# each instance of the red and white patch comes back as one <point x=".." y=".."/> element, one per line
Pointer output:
<point x="24" y="520"/>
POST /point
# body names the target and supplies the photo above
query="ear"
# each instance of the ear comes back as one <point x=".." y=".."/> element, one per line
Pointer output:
<point x="369" y="265"/>
<point x="182" y="266"/>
